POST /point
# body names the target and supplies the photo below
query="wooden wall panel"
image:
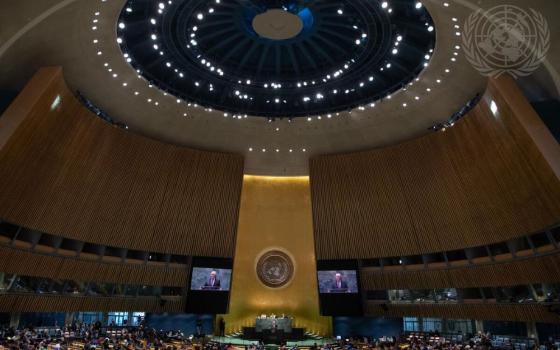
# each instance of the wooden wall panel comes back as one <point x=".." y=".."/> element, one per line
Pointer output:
<point x="544" y="269"/>
<point x="496" y="312"/>
<point x="480" y="182"/>
<point x="25" y="263"/>
<point x="69" y="173"/>
<point x="50" y="303"/>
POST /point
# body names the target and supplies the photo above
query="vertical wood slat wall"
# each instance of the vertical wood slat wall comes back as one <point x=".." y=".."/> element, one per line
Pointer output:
<point x="15" y="261"/>
<point x="544" y="269"/>
<point x="46" y="303"/>
<point x="480" y="182"/>
<point x="69" y="173"/>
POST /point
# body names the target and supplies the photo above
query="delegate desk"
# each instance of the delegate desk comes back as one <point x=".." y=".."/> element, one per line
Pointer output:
<point x="268" y="323"/>
<point x="273" y="330"/>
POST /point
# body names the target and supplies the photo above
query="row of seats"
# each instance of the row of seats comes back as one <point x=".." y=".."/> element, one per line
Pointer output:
<point x="61" y="252"/>
<point x="553" y="245"/>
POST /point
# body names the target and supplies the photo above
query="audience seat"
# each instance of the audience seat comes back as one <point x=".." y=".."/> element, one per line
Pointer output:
<point x="22" y="244"/>
<point x="503" y="257"/>
<point x="111" y="259"/>
<point x="415" y="267"/>
<point x="546" y="248"/>
<point x="523" y="253"/>
<point x="437" y="265"/>
<point x="66" y="252"/>
<point x="134" y="261"/>
<point x="45" y="249"/>
<point x="481" y="260"/>
<point x="89" y="256"/>
<point x="472" y="301"/>
<point x="463" y="262"/>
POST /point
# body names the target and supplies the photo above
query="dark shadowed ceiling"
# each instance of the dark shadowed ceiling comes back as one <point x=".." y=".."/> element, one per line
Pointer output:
<point x="340" y="55"/>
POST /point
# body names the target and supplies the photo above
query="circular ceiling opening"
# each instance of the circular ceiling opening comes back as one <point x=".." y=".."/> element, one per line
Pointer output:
<point x="277" y="24"/>
<point x="277" y="58"/>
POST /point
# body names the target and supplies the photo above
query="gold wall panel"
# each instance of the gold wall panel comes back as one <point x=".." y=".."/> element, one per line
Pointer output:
<point x="275" y="214"/>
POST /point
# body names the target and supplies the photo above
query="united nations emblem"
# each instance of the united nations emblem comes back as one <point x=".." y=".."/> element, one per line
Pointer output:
<point x="506" y="39"/>
<point x="275" y="269"/>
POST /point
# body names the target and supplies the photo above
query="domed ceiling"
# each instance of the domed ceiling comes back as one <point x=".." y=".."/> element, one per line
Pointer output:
<point x="274" y="58"/>
<point x="264" y="42"/>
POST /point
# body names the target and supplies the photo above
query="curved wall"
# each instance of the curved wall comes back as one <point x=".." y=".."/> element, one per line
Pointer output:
<point x="67" y="172"/>
<point x="43" y="303"/>
<point x="496" y="312"/>
<point x="487" y="179"/>
<point x="20" y="262"/>
<point x="543" y="269"/>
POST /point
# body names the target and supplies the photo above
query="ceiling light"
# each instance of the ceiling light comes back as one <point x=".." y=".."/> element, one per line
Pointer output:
<point x="494" y="107"/>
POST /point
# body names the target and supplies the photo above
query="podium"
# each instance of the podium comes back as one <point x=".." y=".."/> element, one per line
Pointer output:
<point x="338" y="290"/>
<point x="272" y="330"/>
<point x="278" y="324"/>
<point x="210" y="288"/>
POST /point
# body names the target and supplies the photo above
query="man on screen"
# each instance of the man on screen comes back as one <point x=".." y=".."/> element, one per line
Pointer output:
<point x="213" y="282"/>
<point x="339" y="285"/>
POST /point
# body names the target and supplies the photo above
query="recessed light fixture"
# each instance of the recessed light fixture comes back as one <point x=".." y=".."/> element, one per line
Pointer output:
<point x="494" y="107"/>
<point x="310" y="96"/>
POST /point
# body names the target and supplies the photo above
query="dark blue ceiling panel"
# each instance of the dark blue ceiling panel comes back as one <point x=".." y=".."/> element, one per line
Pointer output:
<point x="347" y="54"/>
